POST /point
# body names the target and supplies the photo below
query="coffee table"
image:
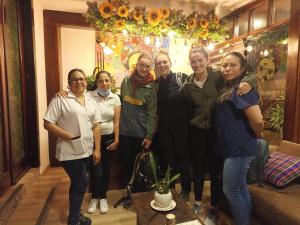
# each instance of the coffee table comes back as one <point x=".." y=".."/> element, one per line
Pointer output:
<point x="148" y="216"/>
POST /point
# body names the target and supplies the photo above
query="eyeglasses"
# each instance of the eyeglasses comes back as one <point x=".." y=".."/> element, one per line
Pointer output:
<point x="74" y="79"/>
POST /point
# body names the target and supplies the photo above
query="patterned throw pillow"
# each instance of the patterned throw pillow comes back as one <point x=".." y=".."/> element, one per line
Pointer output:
<point x="281" y="169"/>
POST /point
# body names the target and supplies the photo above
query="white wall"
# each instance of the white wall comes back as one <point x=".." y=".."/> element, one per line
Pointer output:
<point x="179" y="54"/>
<point x="77" y="51"/>
<point x="39" y="53"/>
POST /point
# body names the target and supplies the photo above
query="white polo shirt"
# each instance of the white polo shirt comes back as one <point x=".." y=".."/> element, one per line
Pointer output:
<point x="75" y="118"/>
<point x="107" y="107"/>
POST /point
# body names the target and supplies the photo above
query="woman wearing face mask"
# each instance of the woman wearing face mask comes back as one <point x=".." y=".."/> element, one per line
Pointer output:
<point x="75" y="120"/>
<point x="110" y="107"/>
<point x="138" y="114"/>
<point x="172" y="121"/>
<point x="201" y="92"/>
<point x="239" y="123"/>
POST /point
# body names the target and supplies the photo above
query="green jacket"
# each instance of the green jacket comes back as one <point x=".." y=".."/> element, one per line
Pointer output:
<point x="138" y="113"/>
<point x="201" y="101"/>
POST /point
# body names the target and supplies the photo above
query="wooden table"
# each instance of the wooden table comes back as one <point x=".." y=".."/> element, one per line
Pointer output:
<point x="148" y="216"/>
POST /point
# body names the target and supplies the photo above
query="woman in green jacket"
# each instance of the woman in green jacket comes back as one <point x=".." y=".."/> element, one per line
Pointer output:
<point x="138" y="113"/>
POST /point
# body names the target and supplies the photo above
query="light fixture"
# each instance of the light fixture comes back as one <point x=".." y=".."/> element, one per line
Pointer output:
<point x="171" y="34"/>
<point x="249" y="48"/>
<point x="257" y="23"/>
<point x="107" y="50"/>
<point x="125" y="32"/>
<point x="147" y="40"/>
<point x="210" y="46"/>
<point x="157" y="42"/>
<point x="266" y="52"/>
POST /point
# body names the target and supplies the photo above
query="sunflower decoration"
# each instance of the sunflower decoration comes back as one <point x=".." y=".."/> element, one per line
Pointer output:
<point x="165" y="13"/>
<point x="119" y="24"/>
<point x="164" y="26"/>
<point x="154" y="17"/>
<point x="203" y="23"/>
<point x="203" y="34"/>
<point x="137" y="15"/>
<point x="123" y="11"/>
<point x="191" y="23"/>
<point x="216" y="21"/>
<point x="106" y="9"/>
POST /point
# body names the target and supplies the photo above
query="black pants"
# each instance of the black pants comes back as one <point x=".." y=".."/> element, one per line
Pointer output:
<point x="174" y="149"/>
<point x="77" y="171"/>
<point x="100" y="172"/>
<point x="129" y="148"/>
<point x="203" y="155"/>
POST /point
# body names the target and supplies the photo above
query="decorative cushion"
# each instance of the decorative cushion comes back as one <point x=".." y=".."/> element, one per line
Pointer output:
<point x="281" y="169"/>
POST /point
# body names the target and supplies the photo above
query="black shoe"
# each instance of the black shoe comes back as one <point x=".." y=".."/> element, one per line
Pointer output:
<point x="185" y="195"/>
<point x="83" y="220"/>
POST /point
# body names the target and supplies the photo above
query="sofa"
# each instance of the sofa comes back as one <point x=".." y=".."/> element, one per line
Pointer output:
<point x="273" y="206"/>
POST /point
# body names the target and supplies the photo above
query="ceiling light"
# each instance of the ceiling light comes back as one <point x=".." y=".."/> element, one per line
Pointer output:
<point x="147" y="40"/>
<point x="211" y="46"/>
<point x="107" y="51"/>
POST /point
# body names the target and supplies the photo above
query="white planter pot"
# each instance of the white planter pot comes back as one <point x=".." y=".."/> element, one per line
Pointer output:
<point x="162" y="200"/>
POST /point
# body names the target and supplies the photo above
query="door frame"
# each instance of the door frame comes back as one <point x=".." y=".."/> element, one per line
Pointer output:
<point x="53" y="21"/>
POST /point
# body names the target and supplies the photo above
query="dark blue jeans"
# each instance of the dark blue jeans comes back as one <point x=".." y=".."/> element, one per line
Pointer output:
<point x="100" y="173"/>
<point x="77" y="171"/>
<point x="235" y="188"/>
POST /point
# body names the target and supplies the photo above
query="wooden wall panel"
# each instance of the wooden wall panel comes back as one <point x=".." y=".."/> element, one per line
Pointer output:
<point x="292" y="94"/>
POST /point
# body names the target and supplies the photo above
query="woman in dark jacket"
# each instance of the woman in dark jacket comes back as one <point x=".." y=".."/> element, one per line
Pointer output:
<point x="239" y="123"/>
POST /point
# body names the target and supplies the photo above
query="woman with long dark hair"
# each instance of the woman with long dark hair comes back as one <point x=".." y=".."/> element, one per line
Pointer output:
<point x="239" y="124"/>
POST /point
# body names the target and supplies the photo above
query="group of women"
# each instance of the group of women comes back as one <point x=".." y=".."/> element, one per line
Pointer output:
<point x="190" y="112"/>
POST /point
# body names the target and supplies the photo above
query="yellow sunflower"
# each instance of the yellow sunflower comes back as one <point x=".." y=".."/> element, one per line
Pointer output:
<point x="154" y="17"/>
<point x="106" y="9"/>
<point x="137" y="15"/>
<point x="203" y="34"/>
<point x="165" y="13"/>
<point x="203" y="23"/>
<point x="120" y="24"/>
<point x="192" y="23"/>
<point x="123" y="11"/>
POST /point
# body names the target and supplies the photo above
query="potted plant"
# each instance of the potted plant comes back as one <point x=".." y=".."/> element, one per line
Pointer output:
<point x="162" y="194"/>
<point x="274" y="115"/>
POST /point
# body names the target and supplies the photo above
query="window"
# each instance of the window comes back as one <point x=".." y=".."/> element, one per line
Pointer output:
<point x="243" y="24"/>
<point x="259" y="17"/>
<point x="282" y="10"/>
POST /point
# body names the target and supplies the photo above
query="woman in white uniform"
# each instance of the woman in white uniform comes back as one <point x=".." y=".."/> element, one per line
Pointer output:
<point x="75" y="120"/>
<point x="110" y="107"/>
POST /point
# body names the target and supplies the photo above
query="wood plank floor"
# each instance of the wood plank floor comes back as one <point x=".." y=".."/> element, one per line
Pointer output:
<point x="30" y="207"/>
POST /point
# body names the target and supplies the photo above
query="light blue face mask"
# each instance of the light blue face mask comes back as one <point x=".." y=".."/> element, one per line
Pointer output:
<point x="103" y="93"/>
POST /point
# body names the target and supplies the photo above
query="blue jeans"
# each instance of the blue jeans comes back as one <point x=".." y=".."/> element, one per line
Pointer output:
<point x="235" y="188"/>
<point x="77" y="171"/>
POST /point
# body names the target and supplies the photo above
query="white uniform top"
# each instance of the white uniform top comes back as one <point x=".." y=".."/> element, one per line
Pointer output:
<point x="107" y="107"/>
<point x="75" y="118"/>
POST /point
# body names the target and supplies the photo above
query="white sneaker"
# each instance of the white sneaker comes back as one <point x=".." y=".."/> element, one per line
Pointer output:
<point x="93" y="205"/>
<point x="103" y="205"/>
